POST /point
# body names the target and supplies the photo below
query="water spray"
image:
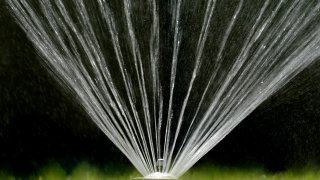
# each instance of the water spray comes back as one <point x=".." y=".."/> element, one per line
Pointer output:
<point x="159" y="174"/>
<point x="171" y="79"/>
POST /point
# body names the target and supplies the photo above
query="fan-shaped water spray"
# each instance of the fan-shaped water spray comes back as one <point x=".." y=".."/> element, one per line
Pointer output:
<point x="167" y="80"/>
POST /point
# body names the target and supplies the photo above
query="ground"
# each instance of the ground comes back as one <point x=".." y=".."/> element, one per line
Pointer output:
<point x="86" y="171"/>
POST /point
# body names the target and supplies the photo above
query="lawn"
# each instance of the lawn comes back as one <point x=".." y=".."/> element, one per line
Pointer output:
<point x="85" y="171"/>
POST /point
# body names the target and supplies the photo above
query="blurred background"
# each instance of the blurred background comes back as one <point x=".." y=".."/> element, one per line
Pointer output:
<point x="40" y="123"/>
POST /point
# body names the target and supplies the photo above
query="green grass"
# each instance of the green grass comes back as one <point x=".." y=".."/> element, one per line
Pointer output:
<point x="210" y="172"/>
<point x="86" y="171"/>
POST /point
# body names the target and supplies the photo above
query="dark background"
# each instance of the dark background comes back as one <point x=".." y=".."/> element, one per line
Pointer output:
<point x="40" y="123"/>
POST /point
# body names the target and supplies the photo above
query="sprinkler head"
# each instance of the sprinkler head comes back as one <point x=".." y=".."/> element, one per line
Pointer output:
<point x="160" y="164"/>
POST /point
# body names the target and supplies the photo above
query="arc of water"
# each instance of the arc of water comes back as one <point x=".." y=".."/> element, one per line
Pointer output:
<point x="154" y="57"/>
<point x="176" y="46"/>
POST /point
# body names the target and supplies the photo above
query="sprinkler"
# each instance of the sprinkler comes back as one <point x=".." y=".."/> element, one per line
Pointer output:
<point x="160" y="164"/>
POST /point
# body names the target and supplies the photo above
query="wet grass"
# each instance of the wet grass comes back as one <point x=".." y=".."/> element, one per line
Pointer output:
<point x="85" y="171"/>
